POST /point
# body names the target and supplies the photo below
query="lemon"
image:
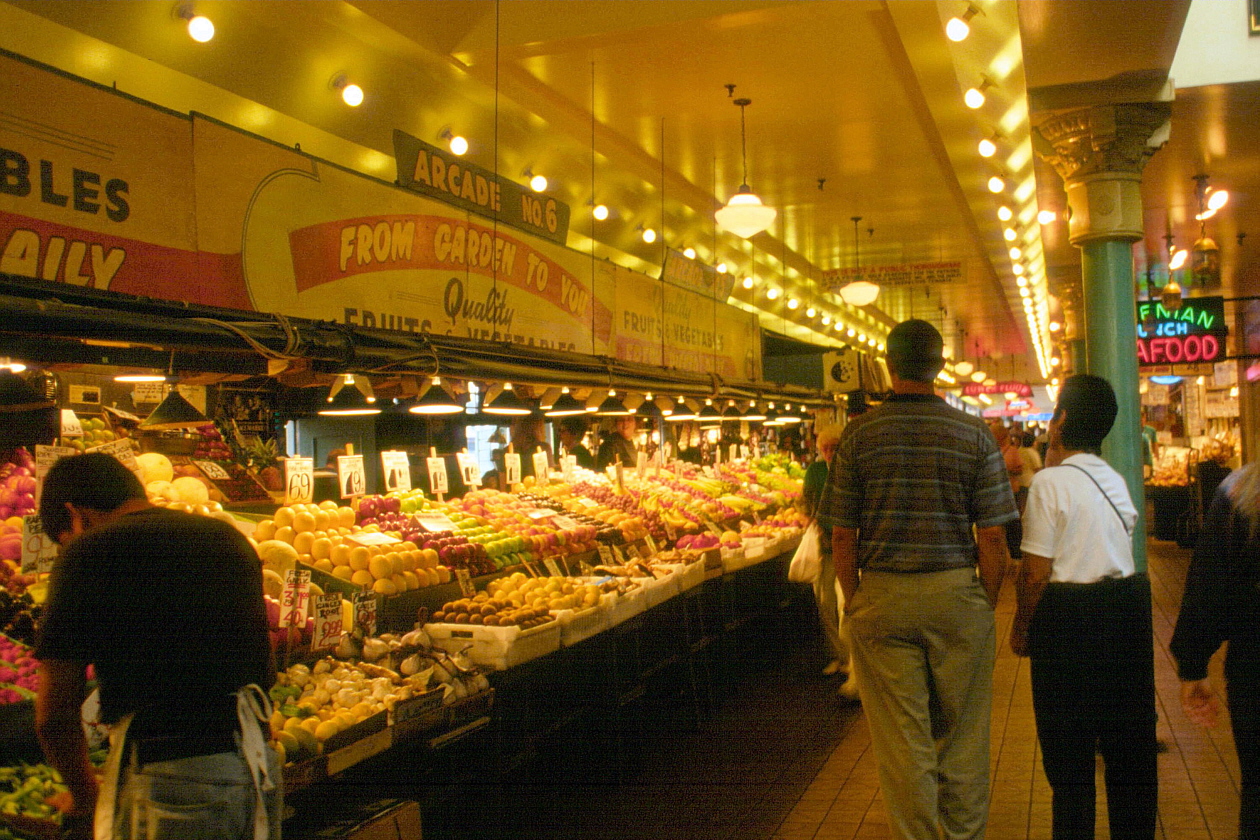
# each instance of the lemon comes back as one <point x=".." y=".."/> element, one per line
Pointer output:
<point x="380" y="567"/>
<point x="384" y="586"/>
<point x="342" y="572"/>
<point x="362" y="577"/>
<point x="327" y="729"/>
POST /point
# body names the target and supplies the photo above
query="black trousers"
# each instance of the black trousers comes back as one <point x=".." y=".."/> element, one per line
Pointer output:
<point x="1244" y="718"/>
<point x="1093" y="681"/>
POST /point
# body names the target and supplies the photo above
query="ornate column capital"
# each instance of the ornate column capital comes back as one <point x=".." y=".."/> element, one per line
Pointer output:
<point x="1100" y="152"/>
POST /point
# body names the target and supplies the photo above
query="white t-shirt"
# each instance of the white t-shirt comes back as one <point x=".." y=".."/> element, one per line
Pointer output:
<point x="1068" y="520"/>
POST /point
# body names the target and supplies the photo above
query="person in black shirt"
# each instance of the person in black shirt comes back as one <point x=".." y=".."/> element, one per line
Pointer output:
<point x="572" y="430"/>
<point x="168" y="608"/>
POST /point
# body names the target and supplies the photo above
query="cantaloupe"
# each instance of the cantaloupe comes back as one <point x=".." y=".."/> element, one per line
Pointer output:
<point x="191" y="490"/>
<point x="154" y="466"/>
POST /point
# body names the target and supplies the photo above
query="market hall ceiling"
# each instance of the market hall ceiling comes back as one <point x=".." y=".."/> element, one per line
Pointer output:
<point x="856" y="111"/>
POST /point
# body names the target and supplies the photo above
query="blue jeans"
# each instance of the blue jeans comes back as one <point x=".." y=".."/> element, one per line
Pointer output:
<point x="207" y="797"/>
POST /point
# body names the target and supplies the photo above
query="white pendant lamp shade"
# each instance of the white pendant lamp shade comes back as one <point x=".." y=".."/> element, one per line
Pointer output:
<point x="744" y="215"/>
<point x="964" y="368"/>
<point x="859" y="293"/>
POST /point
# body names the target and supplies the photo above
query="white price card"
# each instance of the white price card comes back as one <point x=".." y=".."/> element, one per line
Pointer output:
<point x="734" y="452"/>
<point x="45" y="457"/>
<point x="512" y="467"/>
<point x="469" y="470"/>
<point x="351" y="476"/>
<point x="213" y="471"/>
<point x="434" y="522"/>
<point x="396" y="468"/>
<point x="539" y="514"/>
<point x="364" y="610"/>
<point x="368" y="538"/>
<point x="70" y="425"/>
<point x="640" y="464"/>
<point x="743" y="452"/>
<point x="567" y="465"/>
<point x="564" y="522"/>
<point x="328" y="620"/>
<point x="299" y="480"/>
<point x="553" y="567"/>
<point x="466" y="587"/>
<point x="541" y="466"/>
<point x="123" y="450"/>
<point x="38" y="549"/>
<point x="295" y="599"/>
<point x="437" y="475"/>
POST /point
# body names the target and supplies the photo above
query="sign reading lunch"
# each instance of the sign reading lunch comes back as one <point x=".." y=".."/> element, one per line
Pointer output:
<point x="430" y="171"/>
<point x="1194" y="333"/>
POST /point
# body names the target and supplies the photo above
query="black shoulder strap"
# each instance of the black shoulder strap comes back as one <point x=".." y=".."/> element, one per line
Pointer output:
<point x="1104" y="494"/>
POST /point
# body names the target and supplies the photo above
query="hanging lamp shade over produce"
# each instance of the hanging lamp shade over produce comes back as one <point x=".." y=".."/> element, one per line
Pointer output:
<point x="172" y="413"/>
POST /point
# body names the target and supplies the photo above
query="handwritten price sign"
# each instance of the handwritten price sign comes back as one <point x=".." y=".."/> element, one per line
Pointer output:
<point x="328" y="624"/>
<point x="299" y="480"/>
<point x="396" y="467"/>
<point x="38" y="549"/>
<point x="364" y="614"/>
<point x="438" y="482"/>
<point x="296" y="598"/>
<point x="512" y="466"/>
<point x="351" y="476"/>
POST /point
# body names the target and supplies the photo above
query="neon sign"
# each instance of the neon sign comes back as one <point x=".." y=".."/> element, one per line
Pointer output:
<point x="1194" y="333"/>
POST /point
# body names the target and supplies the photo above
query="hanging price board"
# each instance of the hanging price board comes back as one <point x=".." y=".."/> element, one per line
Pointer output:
<point x="437" y="475"/>
<point x="295" y="599"/>
<point x="45" y="457"/>
<point x="541" y="465"/>
<point x="512" y="467"/>
<point x="363" y="606"/>
<point x="469" y="470"/>
<point x="299" y="480"/>
<point x="123" y="450"/>
<point x="328" y="622"/>
<point x="38" y="549"/>
<point x="396" y="468"/>
<point x="351" y="476"/>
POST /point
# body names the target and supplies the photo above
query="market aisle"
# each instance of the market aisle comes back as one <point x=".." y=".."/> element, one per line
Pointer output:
<point x="1198" y="772"/>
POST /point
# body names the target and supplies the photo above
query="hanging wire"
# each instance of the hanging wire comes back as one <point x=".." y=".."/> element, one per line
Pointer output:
<point x="593" y="220"/>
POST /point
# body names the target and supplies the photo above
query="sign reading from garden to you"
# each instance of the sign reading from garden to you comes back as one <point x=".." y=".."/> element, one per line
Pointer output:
<point x="1195" y="332"/>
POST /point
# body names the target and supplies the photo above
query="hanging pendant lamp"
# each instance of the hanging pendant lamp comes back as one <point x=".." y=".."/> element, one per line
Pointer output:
<point x="709" y="415"/>
<point x="436" y="400"/>
<point x="350" y="396"/>
<point x="744" y="215"/>
<point x="612" y="407"/>
<point x="682" y="412"/>
<point x="507" y="403"/>
<point x="174" y="412"/>
<point x="565" y="406"/>
<point x="858" y="292"/>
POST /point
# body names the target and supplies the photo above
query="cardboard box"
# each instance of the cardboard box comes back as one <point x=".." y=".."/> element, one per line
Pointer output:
<point x="387" y="819"/>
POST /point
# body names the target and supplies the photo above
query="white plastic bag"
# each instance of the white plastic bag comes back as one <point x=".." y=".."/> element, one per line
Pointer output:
<point x="807" y="561"/>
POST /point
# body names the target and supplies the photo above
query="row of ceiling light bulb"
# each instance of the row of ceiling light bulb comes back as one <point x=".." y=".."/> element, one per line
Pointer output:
<point x="1031" y="284"/>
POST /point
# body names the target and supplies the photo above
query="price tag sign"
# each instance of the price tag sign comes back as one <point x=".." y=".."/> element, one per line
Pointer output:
<point x="744" y="452"/>
<point x="734" y="452"/>
<point x="45" y="457"/>
<point x="640" y="465"/>
<point x="396" y="467"/>
<point x="587" y="503"/>
<point x="539" y="514"/>
<point x="563" y="522"/>
<point x="553" y="567"/>
<point x="328" y="629"/>
<point x="351" y="476"/>
<point x="38" y="549"/>
<point x="363" y="607"/>
<point x="469" y="470"/>
<point x="651" y="543"/>
<point x="213" y="471"/>
<point x="295" y="599"/>
<point x="70" y="425"/>
<point x="122" y="450"/>
<point x="567" y="465"/>
<point x="148" y="392"/>
<point x="366" y="538"/>
<point x="434" y="522"/>
<point x="605" y="554"/>
<point x="437" y="475"/>
<point x="299" y="481"/>
<point x="466" y="587"/>
<point x="512" y="467"/>
<point x="620" y="554"/>
<point x="541" y="465"/>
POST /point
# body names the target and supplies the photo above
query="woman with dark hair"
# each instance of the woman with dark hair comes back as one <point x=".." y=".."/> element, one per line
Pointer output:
<point x="1222" y="604"/>
<point x="1084" y="620"/>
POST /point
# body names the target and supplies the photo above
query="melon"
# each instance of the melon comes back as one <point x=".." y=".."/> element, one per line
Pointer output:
<point x="273" y="584"/>
<point x="278" y="556"/>
<point x="154" y="466"/>
<point x="191" y="490"/>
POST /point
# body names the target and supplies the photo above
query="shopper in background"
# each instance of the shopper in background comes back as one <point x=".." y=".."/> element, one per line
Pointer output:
<point x="572" y="431"/>
<point x="909" y="481"/>
<point x="825" y="585"/>
<point x="618" y="445"/>
<point x="528" y="437"/>
<point x="1084" y="619"/>
<point x="1009" y="447"/>
<point x="1221" y="604"/>
<point x="1032" y="465"/>
<point x="168" y="608"/>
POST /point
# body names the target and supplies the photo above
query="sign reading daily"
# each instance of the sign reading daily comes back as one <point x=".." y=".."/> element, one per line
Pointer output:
<point x="430" y="171"/>
<point x="1195" y="332"/>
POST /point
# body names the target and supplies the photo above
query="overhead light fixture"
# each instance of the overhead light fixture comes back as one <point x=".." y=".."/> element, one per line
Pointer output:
<point x="648" y="408"/>
<point x="997" y="184"/>
<point x="200" y="27"/>
<point x="773" y="293"/>
<point x="1047" y="217"/>
<point x="958" y="28"/>
<point x="600" y="212"/>
<point x="351" y="94"/>
<point x="811" y="312"/>
<point x="537" y="183"/>
<point x="1178" y="259"/>
<point x="681" y="412"/>
<point x="8" y="364"/>
<point x="720" y="268"/>
<point x="1005" y="213"/>
<point x="689" y="253"/>
<point x="772" y="415"/>
<point x="612" y="407"/>
<point x="859" y="292"/>
<point x="1170" y="296"/>
<point x="974" y="97"/>
<point x="709" y="415"/>
<point x="436" y="400"/>
<point x="826" y="319"/>
<point x="732" y="412"/>
<point x="174" y="412"/>
<point x="1015" y="252"/>
<point x="565" y="406"/>
<point x="988" y="146"/>
<point x="787" y="415"/>
<point x="1217" y="199"/>
<point x="350" y="396"/>
<point x="1009" y="234"/>
<point x="754" y="414"/>
<point x="793" y="303"/>
<point x="457" y="144"/>
<point x="744" y="215"/>
<point x="964" y="368"/>
<point x="747" y="282"/>
<point x="507" y="403"/>
<point x="1205" y="256"/>
<point x="138" y="376"/>
<point x="1055" y="326"/>
<point x="649" y="235"/>
<point x="1017" y="269"/>
<point x="978" y="376"/>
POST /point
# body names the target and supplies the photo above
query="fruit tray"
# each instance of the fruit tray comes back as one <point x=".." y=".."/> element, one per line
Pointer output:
<point x="628" y="604"/>
<point x="498" y="648"/>
<point x="579" y="625"/>
<point x="754" y="548"/>
<point x="660" y="590"/>
<point x="690" y="575"/>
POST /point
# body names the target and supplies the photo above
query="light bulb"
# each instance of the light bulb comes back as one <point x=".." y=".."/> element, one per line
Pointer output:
<point x="458" y="145"/>
<point x="600" y="212"/>
<point x="1005" y="213"/>
<point x="747" y="282"/>
<point x="793" y="303"/>
<point x="649" y="235"/>
<point x="1217" y="199"/>
<point x="974" y="97"/>
<point x="957" y="29"/>
<point x="987" y="148"/>
<point x="811" y="312"/>
<point x="689" y="253"/>
<point x="826" y="319"/>
<point x="720" y="268"/>
<point x="352" y="95"/>
<point x="1009" y="235"/>
<point x="200" y="28"/>
<point x="1017" y="268"/>
<point x="538" y="183"/>
<point x="773" y="293"/>
<point x="996" y="184"/>
<point x="1178" y="259"/>
<point x="1046" y="217"/>
<point x="1016" y="253"/>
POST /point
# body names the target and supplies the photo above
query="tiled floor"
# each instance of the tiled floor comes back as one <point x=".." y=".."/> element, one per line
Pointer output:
<point x="1198" y="772"/>
<point x="784" y="758"/>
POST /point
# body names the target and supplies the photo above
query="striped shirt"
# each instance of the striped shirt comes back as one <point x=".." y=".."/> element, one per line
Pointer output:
<point x="913" y="476"/>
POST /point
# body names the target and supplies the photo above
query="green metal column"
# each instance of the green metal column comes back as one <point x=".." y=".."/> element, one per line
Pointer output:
<point x="1111" y="342"/>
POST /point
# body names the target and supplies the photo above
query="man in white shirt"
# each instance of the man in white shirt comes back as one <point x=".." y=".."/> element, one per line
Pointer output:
<point x="1084" y="619"/>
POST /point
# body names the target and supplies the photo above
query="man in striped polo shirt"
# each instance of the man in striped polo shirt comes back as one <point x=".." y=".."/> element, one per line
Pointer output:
<point x="917" y="499"/>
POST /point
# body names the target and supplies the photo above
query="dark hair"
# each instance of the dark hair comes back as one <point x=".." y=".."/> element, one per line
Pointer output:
<point x="916" y="351"/>
<point x="574" y="425"/>
<point x="1090" y="405"/>
<point x="93" y="480"/>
